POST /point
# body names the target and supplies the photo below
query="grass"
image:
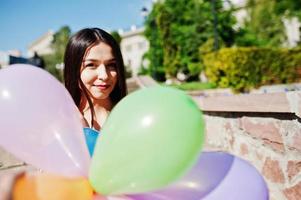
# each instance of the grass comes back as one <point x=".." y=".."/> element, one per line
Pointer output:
<point x="194" y="86"/>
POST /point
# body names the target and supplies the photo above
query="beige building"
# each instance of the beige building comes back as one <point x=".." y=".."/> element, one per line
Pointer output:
<point x="42" y="45"/>
<point x="292" y="29"/>
<point x="133" y="46"/>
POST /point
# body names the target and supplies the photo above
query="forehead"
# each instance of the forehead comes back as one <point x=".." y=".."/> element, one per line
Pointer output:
<point x="100" y="51"/>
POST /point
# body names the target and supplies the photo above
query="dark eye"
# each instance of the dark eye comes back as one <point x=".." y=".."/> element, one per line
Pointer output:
<point x="90" y="65"/>
<point x="111" y="65"/>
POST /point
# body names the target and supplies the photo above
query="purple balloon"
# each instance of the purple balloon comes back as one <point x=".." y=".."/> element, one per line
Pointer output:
<point x="40" y="123"/>
<point x="215" y="176"/>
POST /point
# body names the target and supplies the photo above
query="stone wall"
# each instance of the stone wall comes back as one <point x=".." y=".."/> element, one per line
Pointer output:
<point x="264" y="129"/>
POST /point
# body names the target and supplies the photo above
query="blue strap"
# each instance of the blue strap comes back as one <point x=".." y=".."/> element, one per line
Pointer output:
<point x="91" y="136"/>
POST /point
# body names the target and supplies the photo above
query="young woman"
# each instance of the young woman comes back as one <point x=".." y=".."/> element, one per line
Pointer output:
<point x="94" y="75"/>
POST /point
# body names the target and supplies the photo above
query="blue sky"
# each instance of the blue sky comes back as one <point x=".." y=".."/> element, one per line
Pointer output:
<point x="23" y="21"/>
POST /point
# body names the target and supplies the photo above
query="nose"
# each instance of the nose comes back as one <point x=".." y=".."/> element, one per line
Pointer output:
<point x="102" y="72"/>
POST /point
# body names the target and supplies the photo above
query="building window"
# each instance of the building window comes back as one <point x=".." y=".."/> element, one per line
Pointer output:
<point x="128" y="48"/>
<point x="129" y="63"/>
<point x="141" y="45"/>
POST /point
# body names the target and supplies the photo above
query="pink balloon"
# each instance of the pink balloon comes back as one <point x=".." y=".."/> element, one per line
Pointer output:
<point x="40" y="123"/>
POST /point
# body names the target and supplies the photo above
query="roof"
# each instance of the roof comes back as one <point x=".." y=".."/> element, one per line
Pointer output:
<point x="132" y="32"/>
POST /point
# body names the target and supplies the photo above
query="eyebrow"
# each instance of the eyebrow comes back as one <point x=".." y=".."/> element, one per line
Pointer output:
<point x="95" y="60"/>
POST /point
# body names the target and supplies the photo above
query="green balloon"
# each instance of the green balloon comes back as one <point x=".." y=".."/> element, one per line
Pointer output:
<point x="150" y="139"/>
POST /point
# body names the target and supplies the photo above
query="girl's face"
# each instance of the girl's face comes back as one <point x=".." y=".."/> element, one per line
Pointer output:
<point x="98" y="71"/>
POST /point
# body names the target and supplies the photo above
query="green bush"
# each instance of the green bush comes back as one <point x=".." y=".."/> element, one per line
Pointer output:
<point x="244" y="68"/>
<point x="194" y="86"/>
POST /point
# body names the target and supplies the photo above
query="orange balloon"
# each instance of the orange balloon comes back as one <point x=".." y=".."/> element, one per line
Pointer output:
<point x="49" y="187"/>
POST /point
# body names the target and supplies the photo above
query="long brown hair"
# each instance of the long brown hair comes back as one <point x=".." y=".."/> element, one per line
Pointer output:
<point x="73" y="58"/>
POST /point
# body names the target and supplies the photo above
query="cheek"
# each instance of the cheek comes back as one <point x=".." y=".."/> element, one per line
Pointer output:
<point x="86" y="76"/>
<point x="113" y="75"/>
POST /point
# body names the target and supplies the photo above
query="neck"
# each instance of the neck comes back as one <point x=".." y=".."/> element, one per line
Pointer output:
<point x="102" y="108"/>
<point x="98" y="104"/>
<point x="102" y="104"/>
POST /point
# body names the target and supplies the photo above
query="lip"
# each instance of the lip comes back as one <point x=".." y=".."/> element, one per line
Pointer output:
<point x="102" y="86"/>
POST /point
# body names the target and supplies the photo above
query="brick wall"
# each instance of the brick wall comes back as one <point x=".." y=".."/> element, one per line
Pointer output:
<point x="264" y="129"/>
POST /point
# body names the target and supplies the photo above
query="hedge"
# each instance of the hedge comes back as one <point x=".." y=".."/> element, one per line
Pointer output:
<point x="245" y="68"/>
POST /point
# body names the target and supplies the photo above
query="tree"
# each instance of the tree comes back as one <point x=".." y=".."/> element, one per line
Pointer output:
<point x="264" y="27"/>
<point x="59" y="44"/>
<point x="116" y="36"/>
<point x="155" y="52"/>
<point x="288" y="8"/>
<point x="179" y="28"/>
<point x="265" y="23"/>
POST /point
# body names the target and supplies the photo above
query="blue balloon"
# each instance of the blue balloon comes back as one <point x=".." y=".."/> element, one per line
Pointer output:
<point x="91" y="136"/>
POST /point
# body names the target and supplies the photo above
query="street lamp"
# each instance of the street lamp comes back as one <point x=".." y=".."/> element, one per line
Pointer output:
<point x="215" y="23"/>
<point x="144" y="12"/>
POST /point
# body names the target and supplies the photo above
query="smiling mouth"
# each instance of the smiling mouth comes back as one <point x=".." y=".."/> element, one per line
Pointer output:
<point x="102" y="87"/>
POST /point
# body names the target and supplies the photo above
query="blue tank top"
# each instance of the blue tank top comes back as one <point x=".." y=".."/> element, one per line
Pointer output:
<point x="91" y="136"/>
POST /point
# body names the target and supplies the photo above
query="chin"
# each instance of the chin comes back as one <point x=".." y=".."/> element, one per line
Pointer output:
<point x="100" y="97"/>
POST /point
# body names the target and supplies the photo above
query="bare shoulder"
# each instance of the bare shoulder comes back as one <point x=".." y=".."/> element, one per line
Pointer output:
<point x="84" y="121"/>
